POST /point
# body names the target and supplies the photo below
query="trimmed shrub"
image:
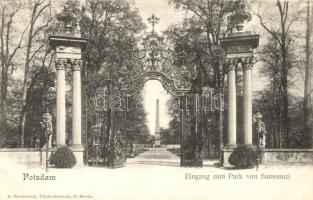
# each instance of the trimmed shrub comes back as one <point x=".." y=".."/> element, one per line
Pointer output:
<point x="243" y="157"/>
<point x="63" y="158"/>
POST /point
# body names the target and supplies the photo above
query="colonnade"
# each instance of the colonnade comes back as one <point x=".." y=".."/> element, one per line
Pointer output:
<point x="246" y="64"/>
<point x="75" y="66"/>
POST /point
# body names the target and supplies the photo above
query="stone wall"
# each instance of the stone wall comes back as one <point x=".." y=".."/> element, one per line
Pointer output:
<point x="23" y="156"/>
<point x="288" y="156"/>
<point x="278" y="156"/>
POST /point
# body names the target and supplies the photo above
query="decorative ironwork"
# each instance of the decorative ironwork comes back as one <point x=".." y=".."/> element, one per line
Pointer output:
<point x="191" y="144"/>
<point x="155" y="62"/>
<point x="117" y="143"/>
<point x="153" y="20"/>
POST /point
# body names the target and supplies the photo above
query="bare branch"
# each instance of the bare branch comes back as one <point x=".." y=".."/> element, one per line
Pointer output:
<point x="40" y="11"/>
<point x="291" y="22"/>
<point x="267" y="29"/>
<point x="19" y="46"/>
<point x="41" y="28"/>
<point x="34" y="54"/>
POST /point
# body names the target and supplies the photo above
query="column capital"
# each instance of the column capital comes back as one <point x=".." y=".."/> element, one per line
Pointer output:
<point x="76" y="64"/>
<point x="247" y="63"/>
<point x="231" y="63"/>
<point x="60" y="64"/>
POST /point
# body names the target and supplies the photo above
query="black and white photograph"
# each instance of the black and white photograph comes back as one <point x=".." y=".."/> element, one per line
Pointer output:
<point x="156" y="99"/>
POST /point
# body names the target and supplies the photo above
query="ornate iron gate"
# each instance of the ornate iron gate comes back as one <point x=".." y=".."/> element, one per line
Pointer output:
<point x="155" y="62"/>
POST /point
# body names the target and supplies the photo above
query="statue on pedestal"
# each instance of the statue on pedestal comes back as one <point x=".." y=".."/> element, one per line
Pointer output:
<point x="260" y="129"/>
<point x="46" y="124"/>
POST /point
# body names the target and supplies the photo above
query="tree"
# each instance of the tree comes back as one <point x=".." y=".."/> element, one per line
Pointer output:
<point x="25" y="39"/>
<point x="267" y="102"/>
<point x="40" y="19"/>
<point x="136" y="121"/>
<point x="41" y="98"/>
<point x="175" y="126"/>
<point x="214" y="20"/>
<point x="281" y="33"/>
<point x="272" y="69"/>
<point x="308" y="89"/>
<point x="11" y="43"/>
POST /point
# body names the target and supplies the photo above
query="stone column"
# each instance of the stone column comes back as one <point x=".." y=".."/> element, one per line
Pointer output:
<point x="76" y="123"/>
<point x="61" y="112"/>
<point x="247" y="100"/>
<point x="231" y="103"/>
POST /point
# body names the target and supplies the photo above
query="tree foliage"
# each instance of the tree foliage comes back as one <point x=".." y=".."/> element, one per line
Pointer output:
<point x="112" y="28"/>
<point x="23" y="54"/>
<point x="308" y="76"/>
<point x="280" y="58"/>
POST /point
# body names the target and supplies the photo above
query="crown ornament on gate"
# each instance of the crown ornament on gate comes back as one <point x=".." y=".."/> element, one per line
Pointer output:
<point x="153" y="20"/>
<point x="154" y="61"/>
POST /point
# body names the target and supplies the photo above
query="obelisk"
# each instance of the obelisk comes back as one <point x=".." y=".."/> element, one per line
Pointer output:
<point x="157" y="136"/>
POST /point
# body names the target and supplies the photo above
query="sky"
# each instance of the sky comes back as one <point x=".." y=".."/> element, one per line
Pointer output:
<point x="167" y="13"/>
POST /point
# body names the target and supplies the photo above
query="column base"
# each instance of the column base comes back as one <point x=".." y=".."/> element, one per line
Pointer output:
<point x="78" y="151"/>
<point x="226" y="152"/>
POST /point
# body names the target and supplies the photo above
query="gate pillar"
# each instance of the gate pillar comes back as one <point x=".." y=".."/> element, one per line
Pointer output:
<point x="67" y="45"/>
<point x="239" y="50"/>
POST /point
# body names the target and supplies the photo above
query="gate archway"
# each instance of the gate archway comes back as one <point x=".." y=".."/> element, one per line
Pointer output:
<point x="154" y="61"/>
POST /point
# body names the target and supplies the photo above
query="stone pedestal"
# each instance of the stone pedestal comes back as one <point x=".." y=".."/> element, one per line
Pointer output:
<point x="157" y="140"/>
<point x="79" y="155"/>
<point x="227" y="150"/>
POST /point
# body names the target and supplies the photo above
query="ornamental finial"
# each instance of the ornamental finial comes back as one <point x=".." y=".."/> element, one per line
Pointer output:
<point x="153" y="20"/>
<point x="68" y="18"/>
